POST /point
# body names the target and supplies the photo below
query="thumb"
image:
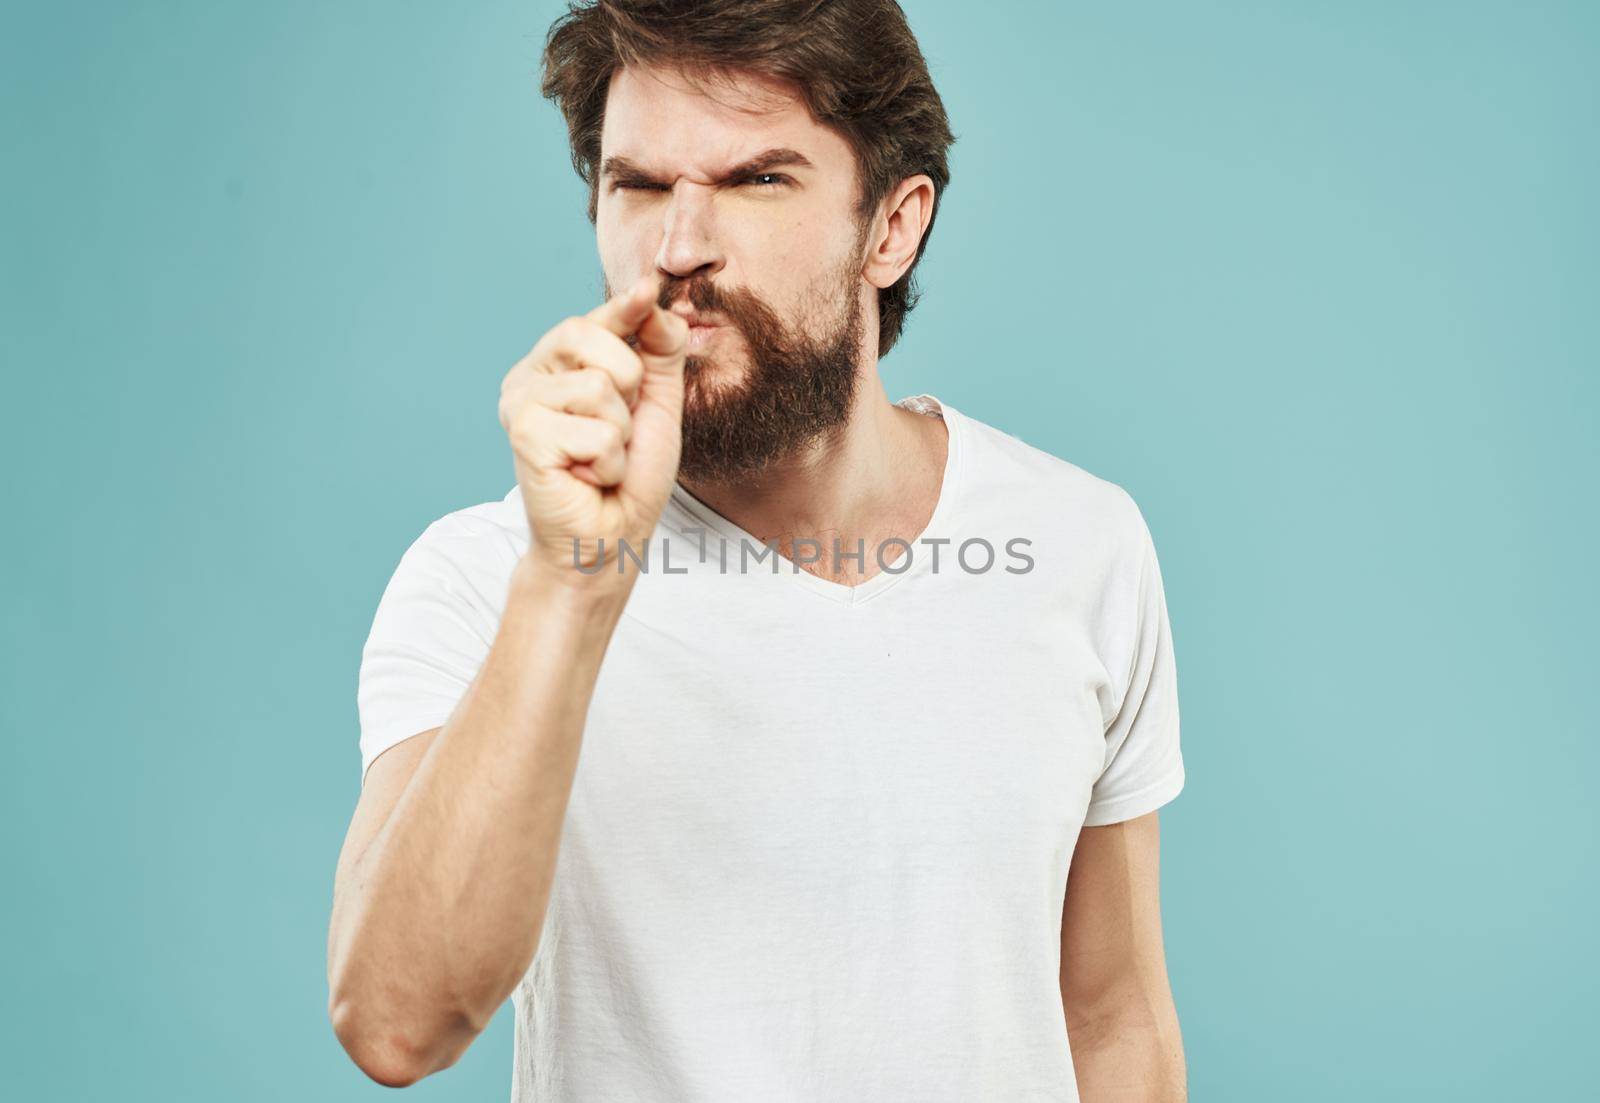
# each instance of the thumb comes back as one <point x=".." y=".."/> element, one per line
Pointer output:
<point x="663" y="346"/>
<point x="658" y="417"/>
<point x="664" y="339"/>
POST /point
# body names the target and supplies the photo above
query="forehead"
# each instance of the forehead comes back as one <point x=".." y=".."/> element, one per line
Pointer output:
<point x="661" y="121"/>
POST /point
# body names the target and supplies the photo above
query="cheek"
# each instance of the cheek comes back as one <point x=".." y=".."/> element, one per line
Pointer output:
<point x="780" y="267"/>
<point x="786" y="252"/>
<point x="806" y="261"/>
<point x="622" y="243"/>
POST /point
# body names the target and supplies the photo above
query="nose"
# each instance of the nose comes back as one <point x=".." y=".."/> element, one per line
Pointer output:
<point x="688" y="234"/>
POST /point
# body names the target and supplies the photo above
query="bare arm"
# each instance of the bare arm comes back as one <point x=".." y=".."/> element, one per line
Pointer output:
<point x="445" y="876"/>
<point x="446" y="872"/>
<point x="1121" y="1020"/>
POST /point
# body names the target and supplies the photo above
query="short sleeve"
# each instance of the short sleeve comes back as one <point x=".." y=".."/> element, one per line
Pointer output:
<point x="1143" y="765"/>
<point x="431" y="633"/>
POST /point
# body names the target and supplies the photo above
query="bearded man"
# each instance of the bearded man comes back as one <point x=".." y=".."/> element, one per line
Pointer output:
<point x="876" y="703"/>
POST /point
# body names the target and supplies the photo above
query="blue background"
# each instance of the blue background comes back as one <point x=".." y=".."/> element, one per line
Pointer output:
<point x="1315" y="282"/>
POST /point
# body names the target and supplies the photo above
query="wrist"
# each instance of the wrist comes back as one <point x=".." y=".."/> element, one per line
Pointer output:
<point x="569" y="589"/>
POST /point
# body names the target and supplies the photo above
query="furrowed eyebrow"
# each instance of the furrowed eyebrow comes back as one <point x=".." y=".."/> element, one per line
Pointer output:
<point x="623" y="168"/>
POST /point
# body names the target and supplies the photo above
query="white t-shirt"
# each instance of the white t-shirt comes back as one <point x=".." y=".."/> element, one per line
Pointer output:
<point x="818" y="837"/>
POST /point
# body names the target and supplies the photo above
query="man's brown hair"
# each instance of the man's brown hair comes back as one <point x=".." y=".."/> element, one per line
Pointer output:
<point x="855" y="63"/>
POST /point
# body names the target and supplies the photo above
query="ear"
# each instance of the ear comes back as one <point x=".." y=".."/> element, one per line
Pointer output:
<point x="897" y="230"/>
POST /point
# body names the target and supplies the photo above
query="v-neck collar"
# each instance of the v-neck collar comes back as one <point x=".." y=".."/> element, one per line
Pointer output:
<point x="919" y="557"/>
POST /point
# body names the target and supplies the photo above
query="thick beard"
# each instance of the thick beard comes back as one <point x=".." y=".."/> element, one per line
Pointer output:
<point x="797" y="389"/>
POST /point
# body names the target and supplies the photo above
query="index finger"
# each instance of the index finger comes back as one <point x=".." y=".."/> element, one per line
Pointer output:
<point x="623" y="314"/>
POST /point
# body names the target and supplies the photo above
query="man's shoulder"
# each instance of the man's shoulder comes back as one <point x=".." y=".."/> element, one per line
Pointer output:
<point x="1004" y="468"/>
<point x="488" y="535"/>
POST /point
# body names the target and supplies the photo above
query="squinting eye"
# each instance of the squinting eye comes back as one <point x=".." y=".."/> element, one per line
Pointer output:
<point x="777" y="180"/>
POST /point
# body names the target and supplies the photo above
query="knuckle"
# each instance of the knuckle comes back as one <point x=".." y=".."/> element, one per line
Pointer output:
<point x="573" y="330"/>
<point x="538" y="388"/>
<point x="550" y="346"/>
<point x="517" y="374"/>
<point x="524" y="425"/>
<point x="522" y="438"/>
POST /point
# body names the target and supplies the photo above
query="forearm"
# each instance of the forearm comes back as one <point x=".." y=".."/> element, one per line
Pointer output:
<point x="1128" y="1051"/>
<point x="439" y="917"/>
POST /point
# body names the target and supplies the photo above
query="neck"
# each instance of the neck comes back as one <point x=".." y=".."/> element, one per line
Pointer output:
<point x="879" y="479"/>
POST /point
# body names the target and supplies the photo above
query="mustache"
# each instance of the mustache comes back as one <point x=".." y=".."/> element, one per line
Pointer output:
<point x="701" y="293"/>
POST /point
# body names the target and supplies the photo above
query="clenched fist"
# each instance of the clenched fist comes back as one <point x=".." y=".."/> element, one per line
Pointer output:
<point x="596" y="427"/>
